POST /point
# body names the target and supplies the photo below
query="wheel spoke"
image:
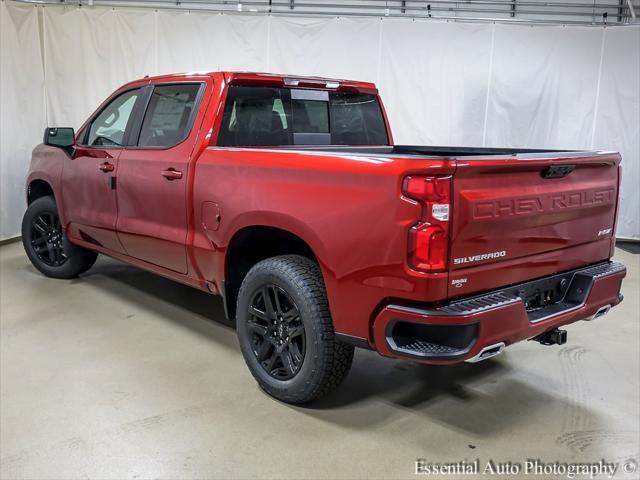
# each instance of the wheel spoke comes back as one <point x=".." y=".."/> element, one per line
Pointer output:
<point x="263" y="352"/>
<point x="257" y="328"/>
<point x="295" y="352"/>
<point x="296" y="331"/>
<point x="42" y="222"/>
<point x="59" y="254"/>
<point x="276" y="297"/>
<point x="271" y="363"/>
<point x="39" y="241"/>
<point x="291" y="315"/>
<point x="258" y="313"/>
<point x="287" y="360"/>
<point x="39" y="228"/>
<point x="268" y="302"/>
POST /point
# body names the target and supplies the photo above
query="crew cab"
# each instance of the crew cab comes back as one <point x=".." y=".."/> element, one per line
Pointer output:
<point x="287" y="196"/>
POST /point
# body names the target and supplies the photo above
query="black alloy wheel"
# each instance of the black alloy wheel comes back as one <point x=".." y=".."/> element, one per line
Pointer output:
<point x="46" y="244"/>
<point x="46" y="238"/>
<point x="278" y="337"/>
<point x="285" y="330"/>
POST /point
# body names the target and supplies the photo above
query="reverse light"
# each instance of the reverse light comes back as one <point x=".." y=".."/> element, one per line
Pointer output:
<point x="429" y="238"/>
<point x="440" y="212"/>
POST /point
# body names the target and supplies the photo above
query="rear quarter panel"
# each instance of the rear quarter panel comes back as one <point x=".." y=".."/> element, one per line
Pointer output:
<point x="348" y="208"/>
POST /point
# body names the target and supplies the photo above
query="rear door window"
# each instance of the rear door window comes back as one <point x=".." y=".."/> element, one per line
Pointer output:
<point x="169" y="115"/>
<point x="256" y="116"/>
<point x="263" y="116"/>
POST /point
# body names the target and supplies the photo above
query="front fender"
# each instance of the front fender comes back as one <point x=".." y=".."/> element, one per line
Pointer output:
<point x="46" y="165"/>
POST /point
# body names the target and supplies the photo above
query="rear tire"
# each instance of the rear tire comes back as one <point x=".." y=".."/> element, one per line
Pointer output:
<point x="285" y="330"/>
<point x="47" y="245"/>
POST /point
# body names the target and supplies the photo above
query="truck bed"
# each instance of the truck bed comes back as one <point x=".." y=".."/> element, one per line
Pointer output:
<point x="510" y="207"/>
<point x="444" y="151"/>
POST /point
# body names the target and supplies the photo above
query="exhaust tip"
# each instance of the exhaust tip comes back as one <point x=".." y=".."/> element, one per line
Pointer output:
<point x="487" y="352"/>
<point x="602" y="311"/>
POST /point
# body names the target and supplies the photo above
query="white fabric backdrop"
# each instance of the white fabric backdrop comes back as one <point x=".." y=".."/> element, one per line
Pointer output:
<point x="618" y="118"/>
<point x="443" y="83"/>
<point x="543" y="89"/>
<point x="22" y="113"/>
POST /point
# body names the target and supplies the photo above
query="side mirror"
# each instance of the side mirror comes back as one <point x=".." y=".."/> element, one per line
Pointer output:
<point x="61" y="137"/>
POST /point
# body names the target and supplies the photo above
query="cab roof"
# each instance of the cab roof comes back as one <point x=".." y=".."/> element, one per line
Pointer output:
<point x="275" y="80"/>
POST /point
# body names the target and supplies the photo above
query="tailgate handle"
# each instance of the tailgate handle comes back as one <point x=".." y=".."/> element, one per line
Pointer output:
<point x="557" y="171"/>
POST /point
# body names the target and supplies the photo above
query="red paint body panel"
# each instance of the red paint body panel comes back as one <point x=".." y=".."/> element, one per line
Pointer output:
<point x="512" y="208"/>
<point x="348" y="207"/>
<point x="357" y="228"/>
<point x="87" y="198"/>
<point x="153" y="209"/>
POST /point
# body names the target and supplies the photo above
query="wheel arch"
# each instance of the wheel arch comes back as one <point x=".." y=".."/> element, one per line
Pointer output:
<point x="38" y="188"/>
<point x="252" y="244"/>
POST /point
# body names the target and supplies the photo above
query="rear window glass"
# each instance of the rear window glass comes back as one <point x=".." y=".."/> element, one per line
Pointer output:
<point x="310" y="116"/>
<point x="262" y="116"/>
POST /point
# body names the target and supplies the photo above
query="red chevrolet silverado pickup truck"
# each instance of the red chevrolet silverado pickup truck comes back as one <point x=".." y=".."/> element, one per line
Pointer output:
<point x="287" y="197"/>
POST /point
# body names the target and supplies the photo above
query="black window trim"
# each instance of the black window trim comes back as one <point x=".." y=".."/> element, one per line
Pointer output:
<point x="141" y="113"/>
<point x="127" y="129"/>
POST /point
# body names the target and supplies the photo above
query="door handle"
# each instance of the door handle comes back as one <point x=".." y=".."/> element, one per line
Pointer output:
<point x="106" y="167"/>
<point x="172" y="174"/>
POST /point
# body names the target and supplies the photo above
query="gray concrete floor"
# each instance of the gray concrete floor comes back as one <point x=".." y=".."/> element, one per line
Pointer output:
<point x="122" y="374"/>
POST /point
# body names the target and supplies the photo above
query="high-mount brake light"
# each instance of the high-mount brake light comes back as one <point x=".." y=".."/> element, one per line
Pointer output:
<point x="429" y="238"/>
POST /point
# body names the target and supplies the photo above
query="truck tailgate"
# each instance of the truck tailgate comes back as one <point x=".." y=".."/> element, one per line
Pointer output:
<point x="558" y="212"/>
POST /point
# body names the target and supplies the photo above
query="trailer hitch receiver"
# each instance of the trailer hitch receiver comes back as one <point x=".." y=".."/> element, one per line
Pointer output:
<point x="552" y="337"/>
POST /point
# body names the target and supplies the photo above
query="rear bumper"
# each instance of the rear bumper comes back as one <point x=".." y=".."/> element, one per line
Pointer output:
<point x="463" y="329"/>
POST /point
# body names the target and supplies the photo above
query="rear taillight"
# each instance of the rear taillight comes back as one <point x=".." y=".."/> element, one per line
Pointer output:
<point x="429" y="238"/>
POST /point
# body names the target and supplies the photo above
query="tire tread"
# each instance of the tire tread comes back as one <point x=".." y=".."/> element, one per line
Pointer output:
<point x="335" y="360"/>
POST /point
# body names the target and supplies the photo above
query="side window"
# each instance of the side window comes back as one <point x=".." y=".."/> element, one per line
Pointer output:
<point x="256" y="116"/>
<point x="108" y="128"/>
<point x="356" y="119"/>
<point x="168" y="119"/>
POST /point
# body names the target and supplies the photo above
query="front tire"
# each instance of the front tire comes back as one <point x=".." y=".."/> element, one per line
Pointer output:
<point x="285" y="330"/>
<point x="46" y="244"/>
